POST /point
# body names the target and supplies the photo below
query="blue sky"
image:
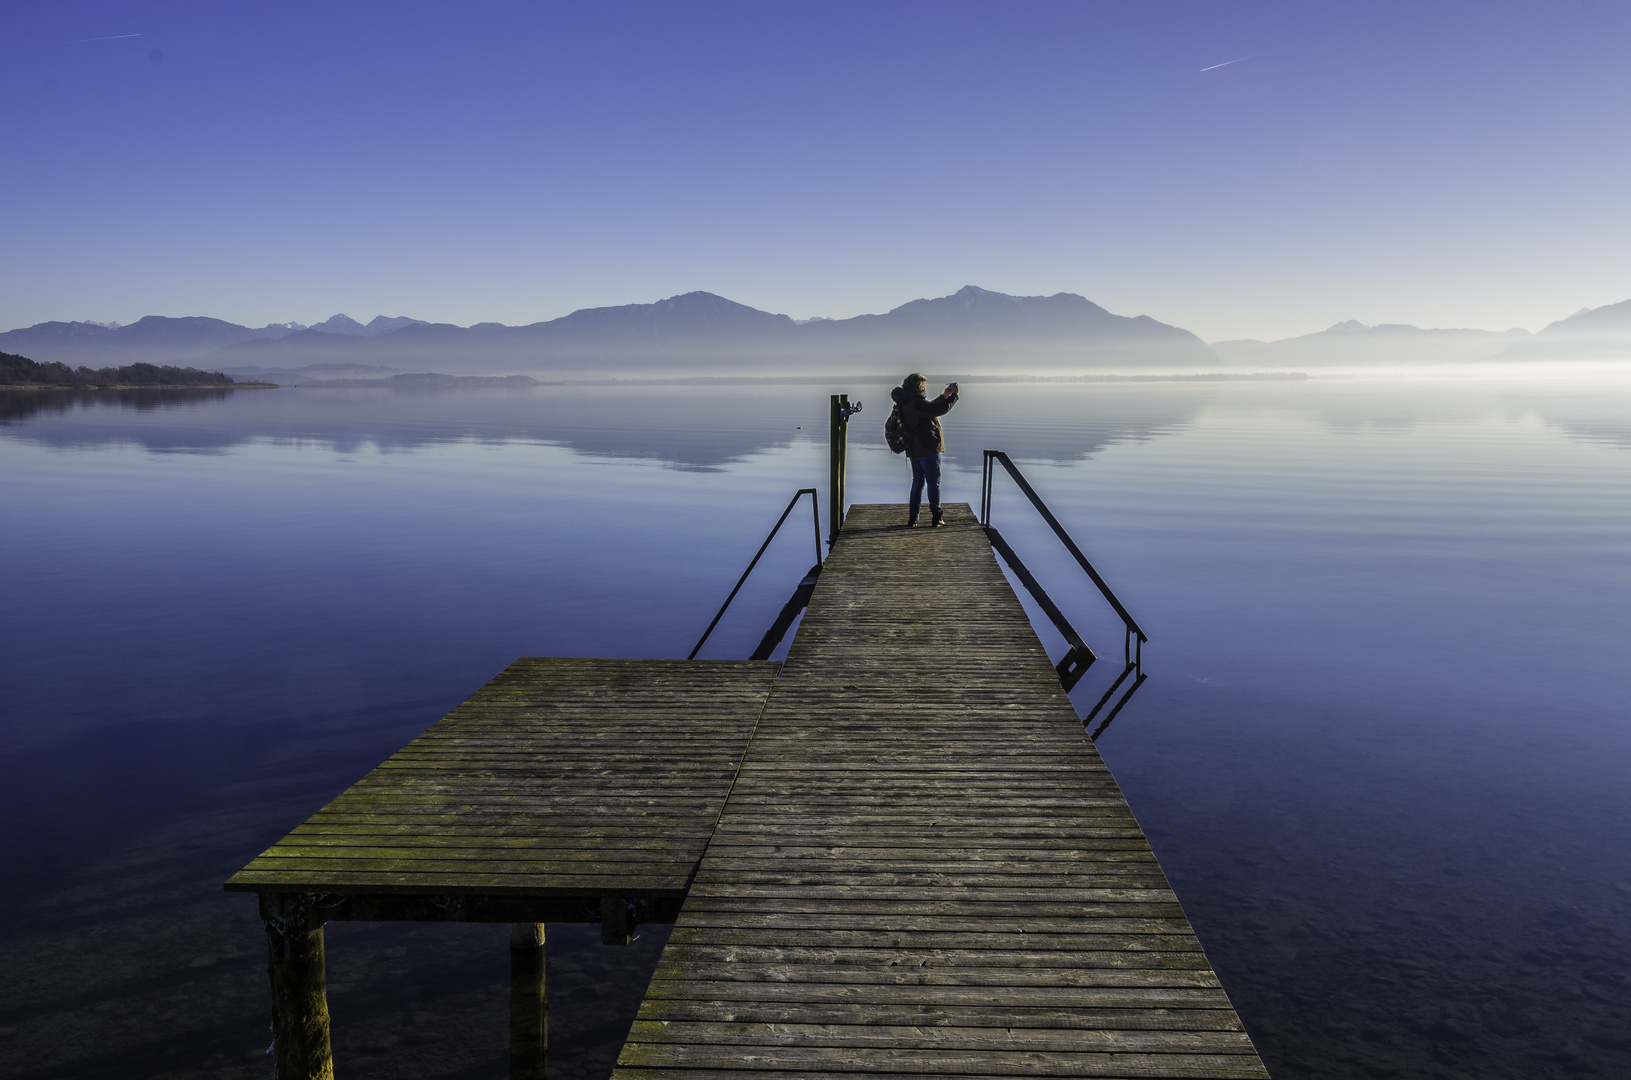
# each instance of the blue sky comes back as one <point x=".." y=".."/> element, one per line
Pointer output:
<point x="1451" y="164"/>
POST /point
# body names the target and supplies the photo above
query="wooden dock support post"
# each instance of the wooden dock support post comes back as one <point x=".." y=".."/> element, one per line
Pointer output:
<point x="615" y="925"/>
<point x="529" y="1003"/>
<point x="294" y="941"/>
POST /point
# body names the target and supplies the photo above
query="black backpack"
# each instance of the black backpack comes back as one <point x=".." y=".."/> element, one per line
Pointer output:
<point x="894" y="431"/>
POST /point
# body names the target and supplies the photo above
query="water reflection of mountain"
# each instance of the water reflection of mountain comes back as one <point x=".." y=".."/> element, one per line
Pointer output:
<point x="1063" y="422"/>
<point x="1607" y="430"/>
<point x="673" y="424"/>
<point x="1587" y="411"/>
<point x="687" y="426"/>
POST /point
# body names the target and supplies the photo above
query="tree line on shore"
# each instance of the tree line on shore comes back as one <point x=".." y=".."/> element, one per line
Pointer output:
<point x="21" y="371"/>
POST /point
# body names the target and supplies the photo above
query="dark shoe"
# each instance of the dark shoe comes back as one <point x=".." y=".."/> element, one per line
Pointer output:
<point x="939" y="518"/>
<point x="910" y="522"/>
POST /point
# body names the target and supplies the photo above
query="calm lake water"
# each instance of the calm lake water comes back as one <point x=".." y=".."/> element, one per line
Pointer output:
<point x="1382" y="753"/>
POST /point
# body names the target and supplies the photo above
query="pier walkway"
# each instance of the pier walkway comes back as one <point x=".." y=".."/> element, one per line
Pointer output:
<point x="924" y="868"/>
<point x="898" y="856"/>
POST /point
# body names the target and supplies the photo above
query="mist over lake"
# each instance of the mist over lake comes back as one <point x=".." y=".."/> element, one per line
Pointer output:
<point x="1381" y="753"/>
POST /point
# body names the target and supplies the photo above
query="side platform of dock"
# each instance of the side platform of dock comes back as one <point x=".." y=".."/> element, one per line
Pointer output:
<point x="564" y="790"/>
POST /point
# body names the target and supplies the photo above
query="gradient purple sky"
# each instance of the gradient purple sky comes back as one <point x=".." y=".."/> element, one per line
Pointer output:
<point x="1446" y="164"/>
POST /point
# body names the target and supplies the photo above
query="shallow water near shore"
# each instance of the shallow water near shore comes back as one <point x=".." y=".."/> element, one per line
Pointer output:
<point x="1381" y="753"/>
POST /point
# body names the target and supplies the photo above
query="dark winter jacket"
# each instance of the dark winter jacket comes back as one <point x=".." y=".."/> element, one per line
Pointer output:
<point x="921" y="418"/>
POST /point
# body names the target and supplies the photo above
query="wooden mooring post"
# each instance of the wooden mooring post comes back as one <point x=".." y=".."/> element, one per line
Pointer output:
<point x="301" y="1048"/>
<point x="838" y="461"/>
<point x="300" y="1028"/>
<point x="529" y="1003"/>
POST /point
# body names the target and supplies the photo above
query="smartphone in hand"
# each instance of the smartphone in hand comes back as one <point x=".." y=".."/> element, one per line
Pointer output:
<point x="951" y="390"/>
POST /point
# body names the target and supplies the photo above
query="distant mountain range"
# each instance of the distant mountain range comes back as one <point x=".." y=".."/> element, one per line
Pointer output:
<point x="158" y="338"/>
<point x="1354" y="343"/>
<point x="973" y="329"/>
<point x="345" y="324"/>
<point x="1590" y="333"/>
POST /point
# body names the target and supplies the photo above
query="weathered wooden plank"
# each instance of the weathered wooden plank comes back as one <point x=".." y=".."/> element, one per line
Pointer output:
<point x="1152" y="972"/>
<point x="818" y="826"/>
<point x="1118" y="1071"/>
<point x="699" y="1063"/>
<point x="953" y="960"/>
<point x="1088" y="881"/>
<point x="930" y="937"/>
<point x="837" y="882"/>
<point x="953" y="856"/>
<point x="1084" y="900"/>
<point x="889" y="1037"/>
<point x="940" y="1062"/>
<point x="1005" y="1015"/>
<point x="580" y="832"/>
<point x="856" y="910"/>
<point x="925" y="854"/>
<point x="1134" y="990"/>
<point x="425" y="884"/>
<point x="630" y="847"/>
<point x="363" y="862"/>
<point x="1119" y="934"/>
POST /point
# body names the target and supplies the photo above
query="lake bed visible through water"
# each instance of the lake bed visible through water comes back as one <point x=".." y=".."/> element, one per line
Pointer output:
<point x="1382" y="752"/>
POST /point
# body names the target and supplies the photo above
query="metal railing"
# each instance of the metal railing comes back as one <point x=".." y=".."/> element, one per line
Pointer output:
<point x="1078" y="657"/>
<point x="805" y="587"/>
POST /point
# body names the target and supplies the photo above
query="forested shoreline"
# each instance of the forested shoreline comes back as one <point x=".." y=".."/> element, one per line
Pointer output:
<point x="19" y="371"/>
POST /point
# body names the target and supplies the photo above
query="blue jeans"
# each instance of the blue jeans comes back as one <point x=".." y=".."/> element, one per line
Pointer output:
<point x="925" y="470"/>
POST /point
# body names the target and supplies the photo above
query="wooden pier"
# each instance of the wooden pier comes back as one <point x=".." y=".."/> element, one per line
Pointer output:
<point x="900" y="855"/>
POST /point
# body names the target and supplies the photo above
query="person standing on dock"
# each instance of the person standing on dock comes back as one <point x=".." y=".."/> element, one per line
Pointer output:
<point x="922" y="421"/>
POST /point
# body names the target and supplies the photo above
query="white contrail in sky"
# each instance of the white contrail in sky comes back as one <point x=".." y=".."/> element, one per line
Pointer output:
<point x="1226" y="63"/>
<point x="110" y="37"/>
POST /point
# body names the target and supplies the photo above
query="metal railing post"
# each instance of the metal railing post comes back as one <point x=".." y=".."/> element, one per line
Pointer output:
<point x="985" y="490"/>
<point x="815" y="516"/>
<point x="762" y="548"/>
